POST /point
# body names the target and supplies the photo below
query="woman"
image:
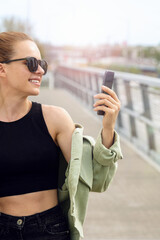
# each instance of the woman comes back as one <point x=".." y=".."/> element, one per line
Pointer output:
<point x="32" y="136"/>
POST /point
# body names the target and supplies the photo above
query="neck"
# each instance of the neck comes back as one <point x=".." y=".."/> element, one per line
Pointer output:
<point x="13" y="108"/>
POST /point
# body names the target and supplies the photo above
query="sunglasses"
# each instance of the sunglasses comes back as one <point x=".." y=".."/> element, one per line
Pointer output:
<point x="32" y="63"/>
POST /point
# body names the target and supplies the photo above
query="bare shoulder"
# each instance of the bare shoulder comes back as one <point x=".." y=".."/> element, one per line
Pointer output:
<point x="60" y="126"/>
<point x="57" y="119"/>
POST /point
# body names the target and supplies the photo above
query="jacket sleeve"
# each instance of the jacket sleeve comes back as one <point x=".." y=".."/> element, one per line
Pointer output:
<point x="105" y="163"/>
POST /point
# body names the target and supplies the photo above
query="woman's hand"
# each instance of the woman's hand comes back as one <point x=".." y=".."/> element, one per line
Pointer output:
<point x="110" y="104"/>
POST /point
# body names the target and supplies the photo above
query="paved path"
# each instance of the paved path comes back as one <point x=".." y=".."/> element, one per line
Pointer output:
<point x="130" y="208"/>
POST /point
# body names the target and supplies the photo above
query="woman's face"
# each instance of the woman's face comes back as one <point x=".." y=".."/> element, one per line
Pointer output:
<point x="18" y="77"/>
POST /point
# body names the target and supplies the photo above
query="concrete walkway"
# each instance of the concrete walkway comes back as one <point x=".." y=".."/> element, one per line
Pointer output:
<point x="130" y="208"/>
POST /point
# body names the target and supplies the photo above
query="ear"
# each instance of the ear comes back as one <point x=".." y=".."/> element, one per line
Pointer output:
<point x="2" y="70"/>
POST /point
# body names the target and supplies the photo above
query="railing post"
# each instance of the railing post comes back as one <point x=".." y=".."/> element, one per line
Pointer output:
<point x="90" y="87"/>
<point x="87" y="87"/>
<point x="97" y="83"/>
<point x="51" y="80"/>
<point x="130" y="106"/>
<point x="147" y="114"/>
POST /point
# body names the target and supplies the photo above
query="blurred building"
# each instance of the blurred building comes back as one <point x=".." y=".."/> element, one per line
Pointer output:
<point x="116" y="55"/>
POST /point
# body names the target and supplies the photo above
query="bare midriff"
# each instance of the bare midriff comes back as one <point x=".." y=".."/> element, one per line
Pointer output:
<point x="28" y="204"/>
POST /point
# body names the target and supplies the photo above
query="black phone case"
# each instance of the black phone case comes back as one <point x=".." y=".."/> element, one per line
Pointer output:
<point x="108" y="82"/>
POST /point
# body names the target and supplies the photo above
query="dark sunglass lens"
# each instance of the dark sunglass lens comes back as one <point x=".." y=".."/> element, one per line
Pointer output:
<point x="43" y="65"/>
<point x="32" y="64"/>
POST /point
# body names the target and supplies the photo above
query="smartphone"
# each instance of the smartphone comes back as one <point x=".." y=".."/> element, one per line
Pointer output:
<point x="108" y="82"/>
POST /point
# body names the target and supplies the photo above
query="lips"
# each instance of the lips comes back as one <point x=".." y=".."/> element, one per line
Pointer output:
<point x="35" y="81"/>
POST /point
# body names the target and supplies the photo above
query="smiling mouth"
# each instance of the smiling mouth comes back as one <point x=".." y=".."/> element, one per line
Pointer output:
<point x="35" y="81"/>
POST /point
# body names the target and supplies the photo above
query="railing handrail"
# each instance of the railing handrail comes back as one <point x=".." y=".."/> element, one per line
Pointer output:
<point x="151" y="81"/>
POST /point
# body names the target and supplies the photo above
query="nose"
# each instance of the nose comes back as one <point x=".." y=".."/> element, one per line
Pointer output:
<point x="40" y="70"/>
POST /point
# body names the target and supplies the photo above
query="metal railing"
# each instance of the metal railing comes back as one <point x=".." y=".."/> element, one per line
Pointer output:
<point x="139" y="118"/>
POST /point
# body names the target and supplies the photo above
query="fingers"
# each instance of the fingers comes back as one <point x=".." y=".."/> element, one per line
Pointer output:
<point x="109" y="91"/>
<point x="107" y="97"/>
<point x="107" y="101"/>
<point x="105" y="109"/>
<point x="112" y="105"/>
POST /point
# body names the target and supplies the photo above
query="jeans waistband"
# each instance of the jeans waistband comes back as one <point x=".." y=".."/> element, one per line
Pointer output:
<point x="19" y="221"/>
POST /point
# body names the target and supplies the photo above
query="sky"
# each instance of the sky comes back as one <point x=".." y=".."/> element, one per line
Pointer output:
<point x="88" y="22"/>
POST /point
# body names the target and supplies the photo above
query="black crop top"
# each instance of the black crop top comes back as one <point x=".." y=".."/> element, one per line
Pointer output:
<point x="28" y="155"/>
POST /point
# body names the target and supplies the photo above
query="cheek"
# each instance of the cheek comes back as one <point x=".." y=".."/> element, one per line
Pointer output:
<point x="18" y="77"/>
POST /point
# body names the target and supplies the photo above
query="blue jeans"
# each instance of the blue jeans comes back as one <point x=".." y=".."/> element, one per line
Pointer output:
<point x="47" y="225"/>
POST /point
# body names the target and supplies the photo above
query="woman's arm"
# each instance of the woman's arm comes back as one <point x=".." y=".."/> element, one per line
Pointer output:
<point x="110" y="104"/>
<point x="66" y="128"/>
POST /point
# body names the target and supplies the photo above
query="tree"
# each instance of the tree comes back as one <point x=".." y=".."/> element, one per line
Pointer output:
<point x="16" y="25"/>
<point x="13" y="24"/>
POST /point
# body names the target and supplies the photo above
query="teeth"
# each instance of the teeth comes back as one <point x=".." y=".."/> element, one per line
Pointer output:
<point x="34" y="81"/>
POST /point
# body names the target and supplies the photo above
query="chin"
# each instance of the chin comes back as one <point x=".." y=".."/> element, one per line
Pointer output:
<point x="34" y="93"/>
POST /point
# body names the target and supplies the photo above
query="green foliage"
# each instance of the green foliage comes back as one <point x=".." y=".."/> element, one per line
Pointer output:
<point x="12" y="24"/>
<point x="150" y="52"/>
<point x="118" y="68"/>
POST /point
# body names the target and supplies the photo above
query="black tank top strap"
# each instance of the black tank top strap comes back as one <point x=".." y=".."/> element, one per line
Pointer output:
<point x="37" y="111"/>
<point x="37" y="115"/>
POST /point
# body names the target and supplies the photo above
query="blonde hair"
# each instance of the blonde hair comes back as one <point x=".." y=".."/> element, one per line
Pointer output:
<point x="7" y="41"/>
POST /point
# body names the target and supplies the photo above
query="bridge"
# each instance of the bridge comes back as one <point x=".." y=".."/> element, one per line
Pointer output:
<point x="130" y="208"/>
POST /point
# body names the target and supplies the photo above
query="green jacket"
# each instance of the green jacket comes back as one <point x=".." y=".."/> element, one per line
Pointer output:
<point x="91" y="168"/>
